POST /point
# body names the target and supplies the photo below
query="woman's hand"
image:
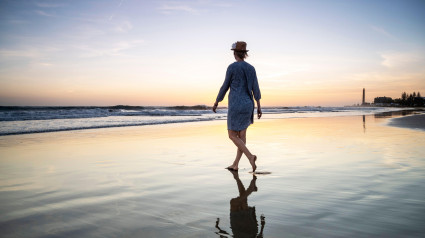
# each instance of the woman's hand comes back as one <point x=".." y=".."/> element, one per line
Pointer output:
<point x="215" y="107"/>
<point x="259" y="112"/>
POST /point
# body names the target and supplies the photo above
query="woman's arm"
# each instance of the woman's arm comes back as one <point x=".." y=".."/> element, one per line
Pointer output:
<point x="257" y="94"/>
<point x="223" y="89"/>
<point x="256" y="88"/>
<point x="259" y="112"/>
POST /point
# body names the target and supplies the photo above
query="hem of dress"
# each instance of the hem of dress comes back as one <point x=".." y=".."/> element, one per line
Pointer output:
<point x="240" y="129"/>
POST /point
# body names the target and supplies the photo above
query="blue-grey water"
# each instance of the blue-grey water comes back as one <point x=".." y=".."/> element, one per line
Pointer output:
<point x="25" y="120"/>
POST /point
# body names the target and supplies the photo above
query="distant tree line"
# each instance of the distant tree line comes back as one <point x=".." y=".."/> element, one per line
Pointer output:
<point x="409" y="100"/>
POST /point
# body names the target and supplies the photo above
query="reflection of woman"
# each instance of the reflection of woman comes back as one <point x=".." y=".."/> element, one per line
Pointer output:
<point x="243" y="219"/>
<point x="241" y="78"/>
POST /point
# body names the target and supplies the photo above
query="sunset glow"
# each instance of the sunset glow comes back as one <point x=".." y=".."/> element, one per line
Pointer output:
<point x="318" y="53"/>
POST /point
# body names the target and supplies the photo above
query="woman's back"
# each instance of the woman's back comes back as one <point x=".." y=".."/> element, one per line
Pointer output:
<point x="239" y="86"/>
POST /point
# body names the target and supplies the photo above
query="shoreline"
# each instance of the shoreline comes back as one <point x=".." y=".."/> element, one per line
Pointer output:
<point x="416" y="121"/>
<point x="410" y="123"/>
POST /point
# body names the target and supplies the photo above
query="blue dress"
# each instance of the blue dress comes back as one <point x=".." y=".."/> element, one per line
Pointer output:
<point x="241" y="78"/>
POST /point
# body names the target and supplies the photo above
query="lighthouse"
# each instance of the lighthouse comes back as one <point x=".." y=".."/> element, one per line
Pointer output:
<point x="363" y="101"/>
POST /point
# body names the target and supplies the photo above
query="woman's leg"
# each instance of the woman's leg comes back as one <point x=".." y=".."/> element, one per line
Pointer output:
<point x="239" y="139"/>
<point x="239" y="152"/>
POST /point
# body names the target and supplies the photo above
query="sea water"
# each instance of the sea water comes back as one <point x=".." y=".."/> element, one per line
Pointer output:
<point x="24" y="120"/>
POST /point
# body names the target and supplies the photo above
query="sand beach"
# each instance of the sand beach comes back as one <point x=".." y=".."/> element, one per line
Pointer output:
<point x="416" y="121"/>
<point x="351" y="176"/>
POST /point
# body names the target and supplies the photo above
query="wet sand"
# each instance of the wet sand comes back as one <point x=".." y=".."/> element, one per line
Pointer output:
<point x="412" y="122"/>
<point x="330" y="177"/>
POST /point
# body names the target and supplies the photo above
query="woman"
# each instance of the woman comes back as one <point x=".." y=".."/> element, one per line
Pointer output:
<point x="242" y="81"/>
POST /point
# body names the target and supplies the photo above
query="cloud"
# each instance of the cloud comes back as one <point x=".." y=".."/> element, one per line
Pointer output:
<point x="400" y="59"/>
<point x="382" y="31"/>
<point x="43" y="13"/>
<point x="215" y="3"/>
<point x="49" y="5"/>
<point x="113" y="14"/>
<point x="113" y="49"/>
<point x="125" y="45"/>
<point x="176" y="7"/>
<point x="28" y="53"/>
<point x="46" y="64"/>
<point x="223" y="4"/>
<point x="30" y="56"/>
<point x="124" y="26"/>
<point x="192" y="7"/>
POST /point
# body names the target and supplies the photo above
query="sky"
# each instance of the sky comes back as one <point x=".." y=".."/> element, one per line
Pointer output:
<point x="128" y="52"/>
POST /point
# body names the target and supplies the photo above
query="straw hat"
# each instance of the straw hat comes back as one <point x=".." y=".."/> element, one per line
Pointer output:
<point x="239" y="46"/>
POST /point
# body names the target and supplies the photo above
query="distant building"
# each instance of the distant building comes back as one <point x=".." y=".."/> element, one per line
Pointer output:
<point x="383" y="101"/>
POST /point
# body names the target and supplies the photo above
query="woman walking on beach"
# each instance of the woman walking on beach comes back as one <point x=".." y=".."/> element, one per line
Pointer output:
<point x="241" y="78"/>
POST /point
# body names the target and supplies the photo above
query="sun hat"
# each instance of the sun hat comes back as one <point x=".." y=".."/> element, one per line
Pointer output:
<point x="239" y="46"/>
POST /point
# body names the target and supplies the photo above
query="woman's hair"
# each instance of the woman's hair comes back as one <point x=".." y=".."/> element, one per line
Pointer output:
<point x="241" y="54"/>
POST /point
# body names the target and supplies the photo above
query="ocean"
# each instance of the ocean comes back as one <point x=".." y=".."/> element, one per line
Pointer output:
<point x="26" y="120"/>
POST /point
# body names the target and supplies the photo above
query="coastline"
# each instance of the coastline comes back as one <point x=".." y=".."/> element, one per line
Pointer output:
<point x="344" y="176"/>
<point x="29" y="120"/>
<point x="416" y="121"/>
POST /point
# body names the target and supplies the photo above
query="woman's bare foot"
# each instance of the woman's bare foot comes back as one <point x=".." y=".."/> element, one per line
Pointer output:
<point x="232" y="168"/>
<point x="252" y="161"/>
